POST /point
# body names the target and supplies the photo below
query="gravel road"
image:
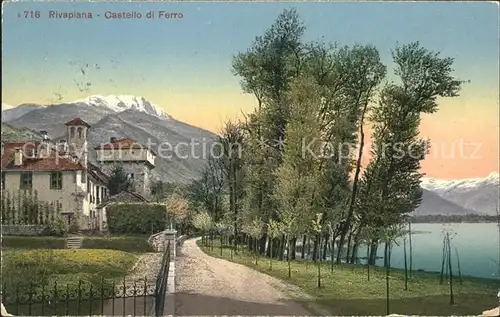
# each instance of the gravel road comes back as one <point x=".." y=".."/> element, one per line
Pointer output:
<point x="211" y="286"/>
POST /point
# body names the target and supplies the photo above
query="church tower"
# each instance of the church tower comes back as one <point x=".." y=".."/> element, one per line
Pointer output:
<point x="76" y="136"/>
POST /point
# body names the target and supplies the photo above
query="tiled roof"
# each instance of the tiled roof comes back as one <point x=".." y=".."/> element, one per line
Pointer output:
<point x="78" y="122"/>
<point x="51" y="161"/>
<point x="97" y="173"/>
<point x="123" y="197"/>
<point x="123" y="144"/>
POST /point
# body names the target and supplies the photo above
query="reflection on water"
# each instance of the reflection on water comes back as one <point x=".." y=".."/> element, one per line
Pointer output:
<point x="477" y="245"/>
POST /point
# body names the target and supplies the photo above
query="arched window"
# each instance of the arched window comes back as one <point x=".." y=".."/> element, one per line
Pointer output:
<point x="72" y="132"/>
<point x="80" y="132"/>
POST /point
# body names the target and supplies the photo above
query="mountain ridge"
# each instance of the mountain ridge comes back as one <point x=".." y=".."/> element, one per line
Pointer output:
<point x="132" y="122"/>
<point x="481" y="194"/>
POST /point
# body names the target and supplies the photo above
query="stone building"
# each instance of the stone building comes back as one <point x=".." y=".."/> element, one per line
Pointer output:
<point x="136" y="159"/>
<point x="58" y="172"/>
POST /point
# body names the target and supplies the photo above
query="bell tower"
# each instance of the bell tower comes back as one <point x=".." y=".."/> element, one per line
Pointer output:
<point x="76" y="136"/>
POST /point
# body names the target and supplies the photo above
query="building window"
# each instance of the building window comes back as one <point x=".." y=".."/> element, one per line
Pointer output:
<point x="75" y="176"/>
<point x="3" y="180"/>
<point x="26" y="180"/>
<point x="84" y="176"/>
<point x="56" y="180"/>
<point x="97" y="192"/>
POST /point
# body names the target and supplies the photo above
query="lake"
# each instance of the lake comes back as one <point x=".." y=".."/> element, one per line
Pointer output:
<point x="477" y="245"/>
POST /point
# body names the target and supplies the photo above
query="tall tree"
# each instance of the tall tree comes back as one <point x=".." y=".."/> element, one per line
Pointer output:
<point x="298" y="175"/>
<point x="393" y="177"/>
<point x="267" y="70"/>
<point x="232" y="138"/>
<point x="118" y="180"/>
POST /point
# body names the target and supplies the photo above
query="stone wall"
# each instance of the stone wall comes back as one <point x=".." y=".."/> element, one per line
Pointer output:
<point x="22" y="230"/>
<point x="159" y="241"/>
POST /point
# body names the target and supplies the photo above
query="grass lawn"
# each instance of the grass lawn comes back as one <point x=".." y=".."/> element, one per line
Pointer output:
<point x="69" y="275"/>
<point x="26" y="242"/>
<point x="129" y="243"/>
<point x="132" y="243"/>
<point x="347" y="290"/>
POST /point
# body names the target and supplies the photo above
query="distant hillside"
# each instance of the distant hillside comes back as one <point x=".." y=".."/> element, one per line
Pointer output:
<point x="12" y="134"/>
<point x="433" y="204"/>
<point x="128" y="117"/>
<point x="478" y="194"/>
<point x="10" y="113"/>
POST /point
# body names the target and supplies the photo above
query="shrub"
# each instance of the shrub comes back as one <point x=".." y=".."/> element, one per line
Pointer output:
<point x="56" y="228"/>
<point x="127" y="244"/>
<point x="19" y="242"/>
<point x="130" y="218"/>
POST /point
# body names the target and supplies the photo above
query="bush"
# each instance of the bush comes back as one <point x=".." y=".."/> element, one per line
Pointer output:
<point x="19" y="242"/>
<point x="135" y="218"/>
<point x="127" y="244"/>
<point x="56" y="228"/>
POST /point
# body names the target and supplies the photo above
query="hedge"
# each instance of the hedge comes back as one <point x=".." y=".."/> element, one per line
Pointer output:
<point x="20" y="242"/>
<point x="134" y="218"/>
<point x="128" y="244"/>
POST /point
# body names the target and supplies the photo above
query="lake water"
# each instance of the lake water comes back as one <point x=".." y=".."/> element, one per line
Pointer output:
<point x="477" y="245"/>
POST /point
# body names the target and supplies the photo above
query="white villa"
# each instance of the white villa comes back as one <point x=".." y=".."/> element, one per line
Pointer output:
<point x="61" y="172"/>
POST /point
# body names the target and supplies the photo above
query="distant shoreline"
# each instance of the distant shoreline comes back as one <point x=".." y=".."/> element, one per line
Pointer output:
<point x="471" y="218"/>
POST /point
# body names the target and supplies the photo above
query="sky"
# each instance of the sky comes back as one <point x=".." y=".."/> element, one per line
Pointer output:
<point x="183" y="65"/>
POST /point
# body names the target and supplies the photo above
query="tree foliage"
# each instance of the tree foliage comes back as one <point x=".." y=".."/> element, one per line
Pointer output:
<point x="300" y="152"/>
<point x="118" y="180"/>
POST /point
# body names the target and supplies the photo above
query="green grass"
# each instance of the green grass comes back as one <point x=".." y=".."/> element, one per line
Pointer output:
<point x="136" y="243"/>
<point x="347" y="291"/>
<point x="56" y="273"/>
<point x="129" y="243"/>
<point x="21" y="242"/>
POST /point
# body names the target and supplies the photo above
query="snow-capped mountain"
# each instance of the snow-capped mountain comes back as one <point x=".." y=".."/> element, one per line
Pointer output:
<point x="478" y="194"/>
<point x="120" y="117"/>
<point x="443" y="186"/>
<point x="124" y="102"/>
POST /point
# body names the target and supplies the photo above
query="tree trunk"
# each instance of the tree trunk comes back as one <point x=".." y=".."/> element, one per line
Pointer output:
<point x="406" y="266"/>
<point x="308" y="246"/>
<point x="411" y="248"/>
<point x="386" y="259"/>
<point x="373" y="252"/>
<point x="262" y="244"/>
<point x="315" y="249"/>
<point x="387" y="271"/>
<point x="282" y="248"/>
<point x="325" y="246"/>
<point x="348" y="247"/>
<point x="303" y="252"/>
<point x="294" y="249"/>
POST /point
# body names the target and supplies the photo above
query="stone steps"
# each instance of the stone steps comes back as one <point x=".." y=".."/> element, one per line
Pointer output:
<point x="74" y="242"/>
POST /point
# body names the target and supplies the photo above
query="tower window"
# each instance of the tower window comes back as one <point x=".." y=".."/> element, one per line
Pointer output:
<point x="80" y="132"/>
<point x="72" y="132"/>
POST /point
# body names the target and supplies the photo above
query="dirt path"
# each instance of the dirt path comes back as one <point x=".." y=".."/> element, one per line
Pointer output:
<point x="211" y="286"/>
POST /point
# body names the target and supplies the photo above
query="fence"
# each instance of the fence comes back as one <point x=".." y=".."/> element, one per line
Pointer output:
<point x="86" y="298"/>
<point x="161" y="282"/>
